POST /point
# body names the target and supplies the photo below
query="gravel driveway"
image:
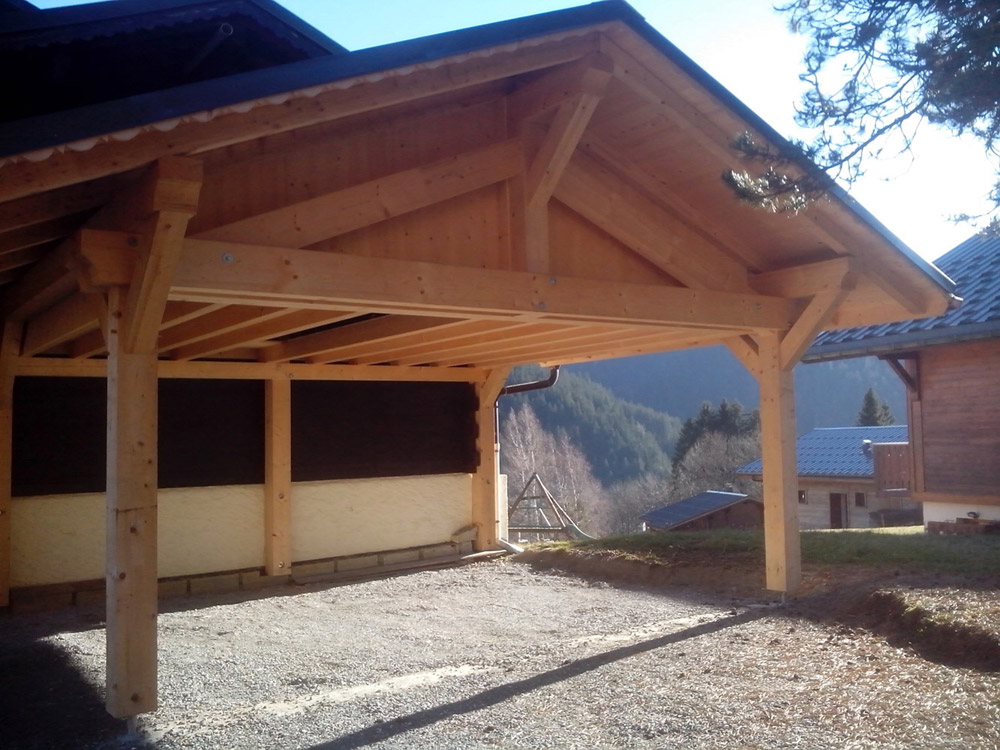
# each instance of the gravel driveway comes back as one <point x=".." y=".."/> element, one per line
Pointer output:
<point x="492" y="655"/>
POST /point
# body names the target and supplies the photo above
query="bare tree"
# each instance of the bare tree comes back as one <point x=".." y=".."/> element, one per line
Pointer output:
<point x="526" y="449"/>
<point x="711" y="464"/>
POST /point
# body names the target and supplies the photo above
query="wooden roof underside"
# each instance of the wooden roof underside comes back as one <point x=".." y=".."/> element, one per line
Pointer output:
<point x="553" y="201"/>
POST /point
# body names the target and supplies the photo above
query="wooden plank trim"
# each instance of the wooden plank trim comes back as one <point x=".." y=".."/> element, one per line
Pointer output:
<point x="66" y="320"/>
<point x="61" y="169"/>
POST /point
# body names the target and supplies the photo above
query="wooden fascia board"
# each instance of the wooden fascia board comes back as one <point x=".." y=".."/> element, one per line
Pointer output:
<point x="359" y="206"/>
<point x="220" y="271"/>
<point x="336" y="100"/>
<point x="97" y="368"/>
<point x="648" y="228"/>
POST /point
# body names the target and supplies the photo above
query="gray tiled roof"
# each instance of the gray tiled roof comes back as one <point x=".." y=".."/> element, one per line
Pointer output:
<point x="690" y="508"/>
<point x="837" y="451"/>
<point x="975" y="267"/>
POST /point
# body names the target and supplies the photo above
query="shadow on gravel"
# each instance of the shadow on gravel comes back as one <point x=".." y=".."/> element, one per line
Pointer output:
<point x="46" y="704"/>
<point x="501" y="693"/>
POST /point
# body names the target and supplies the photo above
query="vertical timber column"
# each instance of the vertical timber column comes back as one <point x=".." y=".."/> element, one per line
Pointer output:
<point x="781" y="510"/>
<point x="131" y="523"/>
<point x="278" y="477"/>
<point x="485" y="482"/>
<point x="10" y="344"/>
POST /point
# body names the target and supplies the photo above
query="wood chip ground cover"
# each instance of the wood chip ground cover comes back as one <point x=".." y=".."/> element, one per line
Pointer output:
<point x="496" y="655"/>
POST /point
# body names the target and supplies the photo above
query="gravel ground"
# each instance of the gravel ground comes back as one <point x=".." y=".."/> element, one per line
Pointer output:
<point x="493" y="655"/>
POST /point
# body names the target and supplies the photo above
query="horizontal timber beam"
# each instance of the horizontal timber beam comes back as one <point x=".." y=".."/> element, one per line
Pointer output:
<point x="219" y="271"/>
<point x="97" y="368"/>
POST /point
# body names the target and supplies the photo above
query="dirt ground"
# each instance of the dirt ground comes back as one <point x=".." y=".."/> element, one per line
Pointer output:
<point x="505" y="654"/>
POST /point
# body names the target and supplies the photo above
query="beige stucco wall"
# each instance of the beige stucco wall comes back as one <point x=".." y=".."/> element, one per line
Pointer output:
<point x="350" y="517"/>
<point x="60" y="538"/>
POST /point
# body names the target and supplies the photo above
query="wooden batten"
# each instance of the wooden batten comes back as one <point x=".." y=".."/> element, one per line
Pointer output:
<point x="278" y="477"/>
<point x="485" y="482"/>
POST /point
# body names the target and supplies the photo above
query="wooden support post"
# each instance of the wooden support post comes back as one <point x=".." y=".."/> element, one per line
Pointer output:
<point x="131" y="524"/>
<point x="485" y="482"/>
<point x="781" y="511"/>
<point x="10" y="344"/>
<point x="278" y="476"/>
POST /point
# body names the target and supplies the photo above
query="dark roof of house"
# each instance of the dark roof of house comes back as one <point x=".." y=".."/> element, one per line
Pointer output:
<point x="975" y="267"/>
<point x="82" y="121"/>
<point x="837" y="452"/>
<point x="687" y="510"/>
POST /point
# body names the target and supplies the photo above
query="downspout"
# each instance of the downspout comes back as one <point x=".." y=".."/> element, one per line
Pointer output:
<point x="535" y="385"/>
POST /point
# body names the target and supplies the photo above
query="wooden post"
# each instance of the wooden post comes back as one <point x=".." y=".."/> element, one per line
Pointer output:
<point x="781" y="511"/>
<point x="277" y="476"/>
<point x="131" y="524"/>
<point x="9" y="346"/>
<point x="485" y="499"/>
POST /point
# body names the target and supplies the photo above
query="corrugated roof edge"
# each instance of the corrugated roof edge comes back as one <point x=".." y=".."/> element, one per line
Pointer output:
<point x="902" y="342"/>
<point x="57" y="129"/>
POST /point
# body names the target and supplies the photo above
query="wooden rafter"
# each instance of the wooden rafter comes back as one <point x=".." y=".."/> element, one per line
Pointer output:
<point x="422" y="348"/>
<point x="68" y="319"/>
<point x="647" y="227"/>
<point x="215" y="323"/>
<point x="325" y="216"/>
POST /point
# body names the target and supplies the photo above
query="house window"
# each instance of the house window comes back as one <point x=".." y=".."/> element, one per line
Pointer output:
<point x="860" y="500"/>
<point x="802" y="497"/>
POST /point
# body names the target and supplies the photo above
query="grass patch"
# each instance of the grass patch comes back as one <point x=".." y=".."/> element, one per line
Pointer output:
<point x="907" y="548"/>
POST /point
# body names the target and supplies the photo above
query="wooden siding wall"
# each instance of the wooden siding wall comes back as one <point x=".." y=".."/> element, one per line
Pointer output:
<point x="212" y="432"/>
<point x="960" y="418"/>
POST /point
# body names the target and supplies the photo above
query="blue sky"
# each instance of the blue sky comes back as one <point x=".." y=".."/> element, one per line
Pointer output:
<point x="746" y="46"/>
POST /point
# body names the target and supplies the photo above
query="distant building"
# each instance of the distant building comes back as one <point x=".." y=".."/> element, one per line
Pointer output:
<point x="950" y="366"/>
<point x="708" y="510"/>
<point x="836" y="471"/>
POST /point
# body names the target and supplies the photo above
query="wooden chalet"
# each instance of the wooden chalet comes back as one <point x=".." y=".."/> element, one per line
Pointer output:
<point x="258" y="293"/>
<point x="949" y="365"/>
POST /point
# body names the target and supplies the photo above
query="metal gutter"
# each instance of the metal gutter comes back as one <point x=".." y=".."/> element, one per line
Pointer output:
<point x="903" y="342"/>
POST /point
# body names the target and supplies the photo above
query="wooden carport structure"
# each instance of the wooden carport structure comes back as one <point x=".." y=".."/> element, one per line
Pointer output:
<point x="541" y="191"/>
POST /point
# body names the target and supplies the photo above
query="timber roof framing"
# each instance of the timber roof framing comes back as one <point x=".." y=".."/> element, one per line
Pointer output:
<point x="539" y="190"/>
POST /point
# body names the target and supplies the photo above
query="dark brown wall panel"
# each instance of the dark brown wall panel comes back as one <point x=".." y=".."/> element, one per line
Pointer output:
<point x="211" y="432"/>
<point x="961" y="417"/>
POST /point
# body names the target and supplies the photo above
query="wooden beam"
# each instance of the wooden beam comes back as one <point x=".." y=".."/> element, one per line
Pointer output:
<point x="414" y="350"/>
<point x="804" y="280"/>
<point x="19" y="258"/>
<point x="173" y="186"/>
<point x="777" y="420"/>
<point x="325" y="216"/>
<point x="38" y="234"/>
<point x="66" y="320"/>
<point x="355" y="339"/>
<point x="217" y="322"/>
<point x="46" y="282"/>
<point x="485" y="482"/>
<point x="220" y="271"/>
<point x="131" y="525"/>
<point x="97" y="368"/>
<point x="744" y="348"/>
<point x="10" y="344"/>
<point x="270" y="328"/>
<point x="816" y="315"/>
<point x="908" y="378"/>
<point x="648" y="228"/>
<point x="278" y="477"/>
<point x="54" y="204"/>
<point x="558" y="85"/>
<point x="343" y="99"/>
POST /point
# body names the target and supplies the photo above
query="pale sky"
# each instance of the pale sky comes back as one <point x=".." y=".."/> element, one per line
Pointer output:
<point x="746" y="46"/>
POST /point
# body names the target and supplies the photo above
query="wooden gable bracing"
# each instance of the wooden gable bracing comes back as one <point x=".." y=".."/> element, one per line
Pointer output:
<point x="542" y="192"/>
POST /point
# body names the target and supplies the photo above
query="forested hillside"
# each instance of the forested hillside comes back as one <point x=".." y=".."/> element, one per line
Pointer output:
<point x="620" y="440"/>
<point x="827" y="394"/>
